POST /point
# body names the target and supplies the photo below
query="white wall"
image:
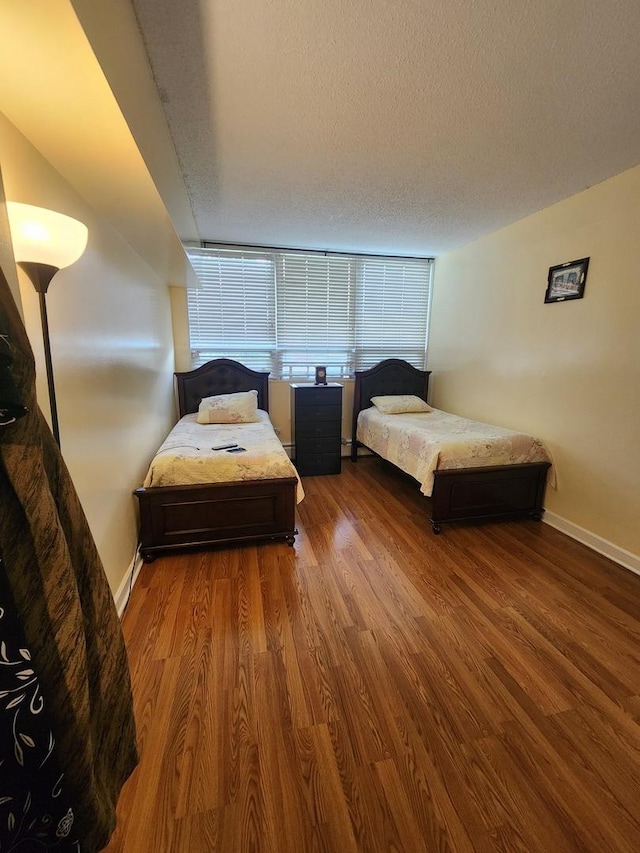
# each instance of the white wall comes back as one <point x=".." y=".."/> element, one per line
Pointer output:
<point x="111" y="339"/>
<point x="567" y="372"/>
<point x="6" y="250"/>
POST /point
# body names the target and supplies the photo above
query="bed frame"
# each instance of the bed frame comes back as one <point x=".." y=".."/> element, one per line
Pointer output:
<point x="175" y="517"/>
<point x="461" y="494"/>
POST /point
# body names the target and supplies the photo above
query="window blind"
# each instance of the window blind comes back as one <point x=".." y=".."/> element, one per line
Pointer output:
<point x="392" y="311"/>
<point x="315" y="298"/>
<point x="287" y="311"/>
<point x="233" y="313"/>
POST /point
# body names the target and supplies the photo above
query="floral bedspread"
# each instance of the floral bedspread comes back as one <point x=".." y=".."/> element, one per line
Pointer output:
<point x="420" y="443"/>
<point x="187" y="457"/>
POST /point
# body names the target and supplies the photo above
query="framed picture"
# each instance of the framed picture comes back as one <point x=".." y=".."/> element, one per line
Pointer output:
<point x="567" y="281"/>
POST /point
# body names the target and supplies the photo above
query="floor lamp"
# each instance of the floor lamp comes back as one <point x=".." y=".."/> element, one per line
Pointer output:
<point x="44" y="242"/>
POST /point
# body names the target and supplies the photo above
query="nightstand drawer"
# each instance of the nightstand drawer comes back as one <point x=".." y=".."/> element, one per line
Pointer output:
<point x="318" y="413"/>
<point x="319" y="429"/>
<point x="306" y="445"/>
<point x="320" y="396"/>
<point x="324" y="463"/>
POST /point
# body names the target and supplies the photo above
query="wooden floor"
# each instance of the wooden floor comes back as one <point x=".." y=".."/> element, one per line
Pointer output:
<point x="379" y="688"/>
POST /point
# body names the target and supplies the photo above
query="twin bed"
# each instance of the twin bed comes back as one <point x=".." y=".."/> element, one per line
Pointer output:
<point x="195" y="495"/>
<point x="200" y="492"/>
<point x="470" y="470"/>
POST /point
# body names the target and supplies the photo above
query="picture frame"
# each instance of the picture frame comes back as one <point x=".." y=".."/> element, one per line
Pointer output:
<point x="566" y="281"/>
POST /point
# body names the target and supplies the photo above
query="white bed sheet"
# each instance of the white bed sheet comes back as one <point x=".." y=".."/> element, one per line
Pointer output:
<point x="422" y="442"/>
<point x="186" y="457"/>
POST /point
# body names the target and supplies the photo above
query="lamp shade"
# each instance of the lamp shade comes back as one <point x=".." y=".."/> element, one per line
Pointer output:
<point x="44" y="236"/>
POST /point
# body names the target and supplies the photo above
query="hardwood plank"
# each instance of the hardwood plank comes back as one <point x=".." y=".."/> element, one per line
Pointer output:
<point x="325" y="796"/>
<point x="281" y="783"/>
<point x="150" y="824"/>
<point x="420" y="783"/>
<point x="380" y="688"/>
<point x="521" y="805"/>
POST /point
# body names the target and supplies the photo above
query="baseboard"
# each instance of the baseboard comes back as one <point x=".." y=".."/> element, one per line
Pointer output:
<point x="597" y="543"/>
<point x="123" y="592"/>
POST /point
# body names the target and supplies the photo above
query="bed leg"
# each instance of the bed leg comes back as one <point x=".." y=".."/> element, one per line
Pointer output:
<point x="147" y="556"/>
<point x="290" y="540"/>
<point x="435" y="527"/>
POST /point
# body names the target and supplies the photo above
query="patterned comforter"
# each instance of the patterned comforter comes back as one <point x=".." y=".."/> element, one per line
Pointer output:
<point x="420" y="443"/>
<point x="187" y="456"/>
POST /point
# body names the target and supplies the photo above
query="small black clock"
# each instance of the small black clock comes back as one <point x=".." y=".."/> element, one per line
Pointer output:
<point x="321" y="376"/>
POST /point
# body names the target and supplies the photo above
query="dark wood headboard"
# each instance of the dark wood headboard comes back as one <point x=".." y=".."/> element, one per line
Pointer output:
<point x="391" y="376"/>
<point x="219" y="376"/>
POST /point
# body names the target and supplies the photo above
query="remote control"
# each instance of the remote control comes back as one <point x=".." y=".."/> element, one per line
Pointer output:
<point x="225" y="446"/>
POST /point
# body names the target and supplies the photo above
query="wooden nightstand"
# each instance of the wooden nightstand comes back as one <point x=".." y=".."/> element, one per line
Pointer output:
<point x="316" y="427"/>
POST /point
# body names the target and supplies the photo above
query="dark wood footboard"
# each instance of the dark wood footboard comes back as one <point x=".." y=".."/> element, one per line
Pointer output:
<point x="174" y="517"/>
<point x="499" y="491"/>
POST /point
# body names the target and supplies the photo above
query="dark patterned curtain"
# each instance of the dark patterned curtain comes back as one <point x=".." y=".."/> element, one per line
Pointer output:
<point x="67" y="734"/>
<point x="35" y="810"/>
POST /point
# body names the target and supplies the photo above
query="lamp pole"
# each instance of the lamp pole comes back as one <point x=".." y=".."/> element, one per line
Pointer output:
<point x="41" y="275"/>
<point x="44" y="242"/>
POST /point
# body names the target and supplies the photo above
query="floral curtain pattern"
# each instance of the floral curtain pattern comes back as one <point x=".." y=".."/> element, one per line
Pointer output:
<point x="35" y="813"/>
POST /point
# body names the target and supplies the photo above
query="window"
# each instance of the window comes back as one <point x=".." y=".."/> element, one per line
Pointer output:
<point x="233" y="314"/>
<point x="286" y="311"/>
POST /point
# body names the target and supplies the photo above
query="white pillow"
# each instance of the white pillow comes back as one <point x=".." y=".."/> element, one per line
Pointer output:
<point x="240" y="408"/>
<point x="400" y="404"/>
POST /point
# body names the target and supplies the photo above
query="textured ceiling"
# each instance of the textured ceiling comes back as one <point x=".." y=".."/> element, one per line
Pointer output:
<point x="404" y="126"/>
